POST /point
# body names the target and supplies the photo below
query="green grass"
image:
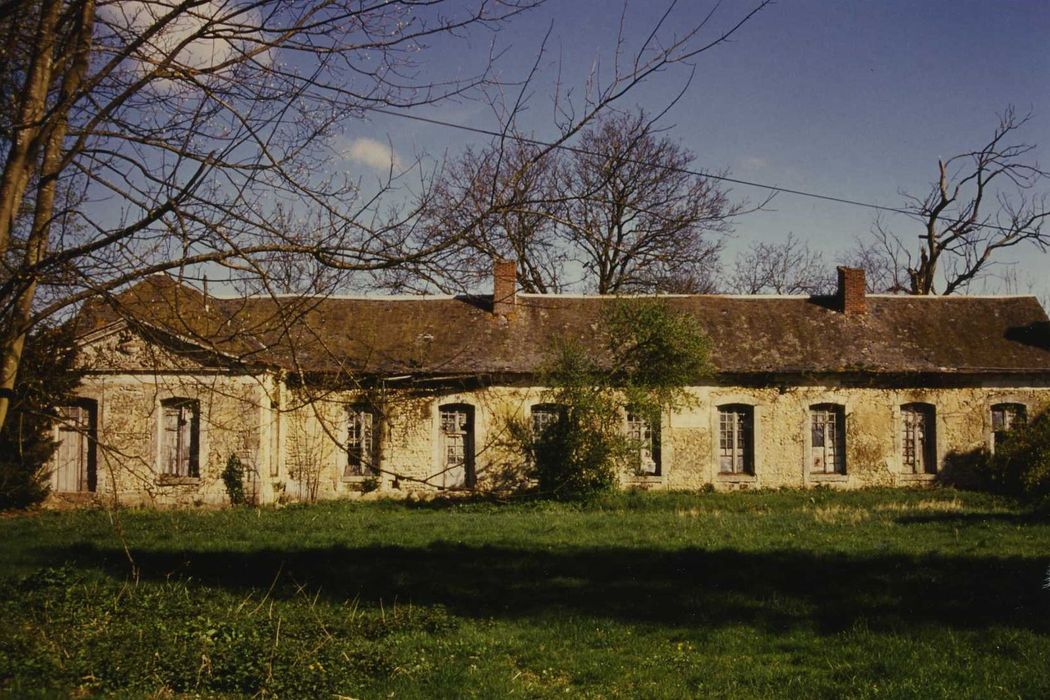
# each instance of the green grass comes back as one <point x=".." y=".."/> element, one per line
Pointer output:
<point x="931" y="593"/>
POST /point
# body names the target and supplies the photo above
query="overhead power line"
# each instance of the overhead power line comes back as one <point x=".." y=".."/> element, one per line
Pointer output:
<point x="688" y="171"/>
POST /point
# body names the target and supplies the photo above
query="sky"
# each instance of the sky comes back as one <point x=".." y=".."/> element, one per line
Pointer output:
<point x="850" y="99"/>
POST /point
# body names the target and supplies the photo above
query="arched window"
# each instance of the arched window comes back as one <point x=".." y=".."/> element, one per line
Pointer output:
<point x="828" y="438"/>
<point x="644" y="433"/>
<point x="457" y="445"/>
<point x="918" y="439"/>
<point x="361" y="450"/>
<point x="736" y="439"/>
<point x="1005" y="418"/>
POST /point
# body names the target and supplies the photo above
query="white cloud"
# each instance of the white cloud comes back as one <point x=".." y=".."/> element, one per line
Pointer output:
<point x="753" y="163"/>
<point x="374" y="154"/>
<point x="218" y="31"/>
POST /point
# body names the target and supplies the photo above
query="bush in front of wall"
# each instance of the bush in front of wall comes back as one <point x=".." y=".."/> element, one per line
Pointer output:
<point x="1021" y="463"/>
<point x="233" y="477"/>
<point x="651" y="352"/>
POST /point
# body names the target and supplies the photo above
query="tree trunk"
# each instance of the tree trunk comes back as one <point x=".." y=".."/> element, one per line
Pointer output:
<point x="21" y="158"/>
<point x="18" y="322"/>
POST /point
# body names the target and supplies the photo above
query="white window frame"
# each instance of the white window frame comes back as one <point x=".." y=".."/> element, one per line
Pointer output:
<point x="646" y="436"/>
<point x="918" y="448"/>
<point x="543" y="415"/>
<point x="739" y="441"/>
<point x="462" y="438"/>
<point x="360" y="453"/>
<point x="838" y="414"/>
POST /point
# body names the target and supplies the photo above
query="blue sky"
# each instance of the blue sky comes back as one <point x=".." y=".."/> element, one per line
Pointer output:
<point x="852" y="99"/>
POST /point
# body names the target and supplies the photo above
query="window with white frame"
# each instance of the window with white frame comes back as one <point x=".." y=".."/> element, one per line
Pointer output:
<point x="545" y="415"/>
<point x="457" y="445"/>
<point x="827" y="439"/>
<point x="736" y="439"/>
<point x="918" y="439"/>
<point x="644" y="433"/>
<point x="1005" y="418"/>
<point x="180" y="438"/>
<point x="360" y="442"/>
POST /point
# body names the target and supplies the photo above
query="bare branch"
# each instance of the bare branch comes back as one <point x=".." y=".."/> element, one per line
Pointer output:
<point x="982" y="202"/>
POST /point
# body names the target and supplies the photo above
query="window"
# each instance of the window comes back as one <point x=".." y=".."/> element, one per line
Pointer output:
<point x="360" y="442"/>
<point x="545" y="415"/>
<point x="828" y="440"/>
<point x="1006" y="417"/>
<point x="918" y="439"/>
<point x="180" y="438"/>
<point x="457" y="446"/>
<point x="75" y="457"/>
<point x="736" y="439"/>
<point x="644" y="434"/>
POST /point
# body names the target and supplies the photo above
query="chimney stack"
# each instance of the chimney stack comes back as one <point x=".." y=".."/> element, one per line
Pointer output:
<point x="504" y="286"/>
<point x="851" y="291"/>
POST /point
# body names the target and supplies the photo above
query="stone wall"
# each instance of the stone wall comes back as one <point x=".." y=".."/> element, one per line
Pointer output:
<point x="128" y="446"/>
<point x="292" y="439"/>
<point x="873" y="432"/>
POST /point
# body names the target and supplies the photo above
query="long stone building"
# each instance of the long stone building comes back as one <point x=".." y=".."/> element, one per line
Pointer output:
<point x="332" y="397"/>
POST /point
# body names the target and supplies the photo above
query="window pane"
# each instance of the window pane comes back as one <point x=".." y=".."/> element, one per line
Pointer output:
<point x="170" y="441"/>
<point x="828" y="438"/>
<point x="819" y="419"/>
<point x="180" y="438"/>
<point x="998" y="418"/>
<point x="646" y="440"/>
<point x="457" y="445"/>
<point x="544" y="416"/>
<point x="359" y="443"/>
<point x="735" y="439"/>
<point x="1006" y="417"/>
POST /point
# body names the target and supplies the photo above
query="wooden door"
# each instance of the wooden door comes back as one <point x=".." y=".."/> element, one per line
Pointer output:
<point x="457" y="446"/>
<point x="75" y="456"/>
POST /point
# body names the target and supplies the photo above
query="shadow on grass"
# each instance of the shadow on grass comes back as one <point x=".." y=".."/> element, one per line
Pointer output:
<point x="776" y="590"/>
<point x="949" y="518"/>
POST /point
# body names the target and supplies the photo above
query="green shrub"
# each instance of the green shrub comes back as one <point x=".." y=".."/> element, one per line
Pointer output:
<point x="233" y="477"/>
<point x="1021" y="464"/>
<point x="572" y="459"/>
<point x="370" y="484"/>
<point x="646" y="354"/>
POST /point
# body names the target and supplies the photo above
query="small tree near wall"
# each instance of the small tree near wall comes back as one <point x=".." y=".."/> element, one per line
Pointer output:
<point x="1021" y="463"/>
<point x="233" y="478"/>
<point x="648" y="354"/>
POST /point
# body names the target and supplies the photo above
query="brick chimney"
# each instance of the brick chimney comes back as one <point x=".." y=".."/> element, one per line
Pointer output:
<point x="851" y="291"/>
<point x="504" y="286"/>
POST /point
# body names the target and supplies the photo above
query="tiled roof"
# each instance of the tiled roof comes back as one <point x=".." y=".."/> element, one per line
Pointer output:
<point x="431" y="336"/>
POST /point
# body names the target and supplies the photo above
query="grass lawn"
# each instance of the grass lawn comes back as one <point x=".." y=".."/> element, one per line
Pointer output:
<point x="926" y="593"/>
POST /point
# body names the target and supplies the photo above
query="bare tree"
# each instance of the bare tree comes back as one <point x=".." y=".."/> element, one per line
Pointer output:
<point x="780" y="268"/>
<point x="983" y="201"/>
<point x="493" y="202"/>
<point x="883" y="258"/>
<point x="142" y="136"/>
<point x="638" y="218"/>
<point x="621" y="203"/>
